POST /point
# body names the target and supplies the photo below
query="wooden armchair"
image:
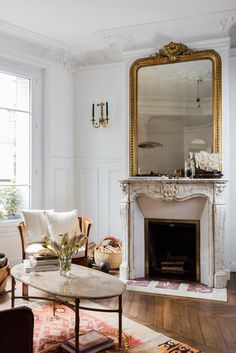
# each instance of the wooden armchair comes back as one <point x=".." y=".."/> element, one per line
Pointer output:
<point x="80" y="258"/>
<point x="85" y="226"/>
<point x="16" y="328"/>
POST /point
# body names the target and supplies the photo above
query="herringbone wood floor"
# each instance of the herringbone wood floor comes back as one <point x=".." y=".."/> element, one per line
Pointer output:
<point x="207" y="325"/>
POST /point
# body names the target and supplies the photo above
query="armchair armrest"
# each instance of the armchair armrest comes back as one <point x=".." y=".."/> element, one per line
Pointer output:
<point x="23" y="234"/>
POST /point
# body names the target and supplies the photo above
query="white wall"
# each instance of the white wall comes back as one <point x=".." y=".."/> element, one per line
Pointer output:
<point x="57" y="140"/>
<point x="232" y="144"/>
<point x="100" y="153"/>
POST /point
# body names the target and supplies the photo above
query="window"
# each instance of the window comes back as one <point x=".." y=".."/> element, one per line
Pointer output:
<point x="17" y="168"/>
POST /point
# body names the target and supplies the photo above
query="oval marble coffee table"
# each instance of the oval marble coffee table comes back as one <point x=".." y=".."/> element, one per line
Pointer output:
<point x="83" y="283"/>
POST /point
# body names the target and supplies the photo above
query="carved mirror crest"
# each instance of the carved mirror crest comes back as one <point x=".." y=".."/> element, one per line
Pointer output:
<point x="175" y="108"/>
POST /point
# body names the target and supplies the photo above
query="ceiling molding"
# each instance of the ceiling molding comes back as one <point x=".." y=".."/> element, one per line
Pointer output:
<point x="124" y="43"/>
<point x="225" y="24"/>
<point x="233" y="52"/>
<point x="76" y="60"/>
<point x="46" y="52"/>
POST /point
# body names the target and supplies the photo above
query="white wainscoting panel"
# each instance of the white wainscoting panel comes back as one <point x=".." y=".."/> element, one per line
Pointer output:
<point x="87" y="181"/>
<point x="232" y="144"/>
<point x="98" y="195"/>
<point x="61" y="188"/>
<point x="62" y="184"/>
<point x="113" y="202"/>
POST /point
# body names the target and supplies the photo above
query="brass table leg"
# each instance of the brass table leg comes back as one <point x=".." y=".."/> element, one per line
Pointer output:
<point x="13" y="284"/>
<point x="77" y="322"/>
<point x="120" y="320"/>
<point x="54" y="308"/>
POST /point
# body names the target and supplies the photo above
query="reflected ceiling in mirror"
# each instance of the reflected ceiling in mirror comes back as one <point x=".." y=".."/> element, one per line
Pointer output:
<point x="175" y="109"/>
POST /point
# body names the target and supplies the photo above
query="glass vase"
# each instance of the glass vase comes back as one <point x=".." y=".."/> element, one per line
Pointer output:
<point x="65" y="264"/>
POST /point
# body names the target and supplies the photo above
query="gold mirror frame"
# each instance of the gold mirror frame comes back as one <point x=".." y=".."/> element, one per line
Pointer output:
<point x="176" y="53"/>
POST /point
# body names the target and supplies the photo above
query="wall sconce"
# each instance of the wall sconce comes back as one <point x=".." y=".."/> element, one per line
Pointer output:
<point x="102" y="121"/>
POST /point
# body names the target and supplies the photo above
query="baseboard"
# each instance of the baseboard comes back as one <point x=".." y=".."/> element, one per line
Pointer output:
<point x="228" y="274"/>
<point x="232" y="266"/>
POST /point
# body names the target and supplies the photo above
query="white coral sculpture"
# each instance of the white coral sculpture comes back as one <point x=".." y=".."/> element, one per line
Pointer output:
<point x="208" y="161"/>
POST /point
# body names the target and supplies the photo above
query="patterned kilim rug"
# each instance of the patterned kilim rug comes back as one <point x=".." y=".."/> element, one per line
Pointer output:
<point x="190" y="290"/>
<point x="49" y="331"/>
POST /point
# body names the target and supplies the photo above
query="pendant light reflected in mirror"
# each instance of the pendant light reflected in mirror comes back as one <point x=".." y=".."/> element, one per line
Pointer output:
<point x="150" y="144"/>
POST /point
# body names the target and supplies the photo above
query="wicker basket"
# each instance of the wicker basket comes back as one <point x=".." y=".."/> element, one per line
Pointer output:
<point x="4" y="272"/>
<point x="101" y="254"/>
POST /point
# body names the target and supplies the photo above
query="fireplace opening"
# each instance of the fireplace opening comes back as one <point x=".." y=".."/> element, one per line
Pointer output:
<point x="172" y="249"/>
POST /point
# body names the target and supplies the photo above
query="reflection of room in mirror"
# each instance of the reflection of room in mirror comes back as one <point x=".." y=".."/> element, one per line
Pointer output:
<point x="198" y="145"/>
<point x="168" y="115"/>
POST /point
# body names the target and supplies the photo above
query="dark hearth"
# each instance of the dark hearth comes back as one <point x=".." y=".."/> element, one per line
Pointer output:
<point x="172" y="249"/>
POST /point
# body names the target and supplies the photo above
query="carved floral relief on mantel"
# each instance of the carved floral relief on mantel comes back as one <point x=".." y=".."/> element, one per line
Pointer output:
<point x="169" y="191"/>
<point x="173" y="189"/>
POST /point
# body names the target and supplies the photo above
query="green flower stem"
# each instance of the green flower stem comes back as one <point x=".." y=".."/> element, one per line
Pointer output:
<point x="65" y="264"/>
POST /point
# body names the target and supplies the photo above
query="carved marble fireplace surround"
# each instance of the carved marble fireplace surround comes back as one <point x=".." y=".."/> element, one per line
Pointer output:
<point x="185" y="199"/>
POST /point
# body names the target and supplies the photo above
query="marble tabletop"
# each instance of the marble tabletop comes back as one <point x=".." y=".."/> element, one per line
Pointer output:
<point x="83" y="283"/>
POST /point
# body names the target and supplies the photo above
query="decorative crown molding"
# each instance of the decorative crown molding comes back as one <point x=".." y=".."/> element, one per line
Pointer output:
<point x="47" y="52"/>
<point x="77" y="58"/>
<point x="124" y="40"/>
<point x="225" y="24"/>
<point x="112" y="45"/>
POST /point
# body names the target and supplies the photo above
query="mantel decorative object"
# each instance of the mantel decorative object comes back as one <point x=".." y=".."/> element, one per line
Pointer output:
<point x="208" y="165"/>
<point x="101" y="121"/>
<point x="208" y="161"/>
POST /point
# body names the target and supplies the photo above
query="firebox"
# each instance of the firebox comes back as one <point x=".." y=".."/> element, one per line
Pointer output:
<point x="172" y="249"/>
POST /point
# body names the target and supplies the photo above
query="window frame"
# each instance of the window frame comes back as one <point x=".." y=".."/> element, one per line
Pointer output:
<point x="35" y="126"/>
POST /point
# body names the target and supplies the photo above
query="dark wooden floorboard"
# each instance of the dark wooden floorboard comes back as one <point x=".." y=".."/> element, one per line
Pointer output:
<point x="207" y="325"/>
<point x="196" y="327"/>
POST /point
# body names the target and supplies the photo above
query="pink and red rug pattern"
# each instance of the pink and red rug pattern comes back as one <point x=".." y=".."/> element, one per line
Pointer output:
<point x="192" y="287"/>
<point x="50" y="330"/>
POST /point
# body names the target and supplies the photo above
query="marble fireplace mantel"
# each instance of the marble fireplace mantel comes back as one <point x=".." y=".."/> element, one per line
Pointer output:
<point x="169" y="190"/>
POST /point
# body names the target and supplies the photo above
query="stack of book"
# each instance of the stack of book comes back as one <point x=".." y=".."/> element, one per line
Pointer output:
<point x="89" y="342"/>
<point x="43" y="263"/>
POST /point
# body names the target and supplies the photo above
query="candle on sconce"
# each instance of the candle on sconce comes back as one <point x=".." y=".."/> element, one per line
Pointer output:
<point x="106" y="108"/>
<point x="101" y="120"/>
<point x="93" y="110"/>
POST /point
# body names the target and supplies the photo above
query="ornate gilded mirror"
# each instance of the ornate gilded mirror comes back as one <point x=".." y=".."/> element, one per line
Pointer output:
<point x="175" y="108"/>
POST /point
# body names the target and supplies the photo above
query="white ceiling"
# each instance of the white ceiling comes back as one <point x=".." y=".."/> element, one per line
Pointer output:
<point x="76" y="22"/>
